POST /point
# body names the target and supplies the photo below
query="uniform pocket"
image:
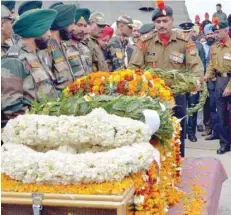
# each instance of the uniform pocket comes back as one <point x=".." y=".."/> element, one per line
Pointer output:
<point x="150" y="61"/>
<point x="39" y="75"/>
<point x="62" y="72"/>
<point x="227" y="64"/>
<point x="43" y="83"/>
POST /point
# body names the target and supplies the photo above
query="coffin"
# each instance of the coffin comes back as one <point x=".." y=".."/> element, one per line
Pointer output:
<point x="14" y="203"/>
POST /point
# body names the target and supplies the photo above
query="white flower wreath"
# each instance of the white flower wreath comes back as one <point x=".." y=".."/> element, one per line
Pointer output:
<point x="42" y="149"/>
<point x="97" y="128"/>
<point x="53" y="167"/>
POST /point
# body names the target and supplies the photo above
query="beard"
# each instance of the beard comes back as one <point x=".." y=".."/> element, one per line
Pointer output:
<point x="42" y="43"/>
<point x="65" y="34"/>
<point x="78" y="37"/>
<point x="210" y="41"/>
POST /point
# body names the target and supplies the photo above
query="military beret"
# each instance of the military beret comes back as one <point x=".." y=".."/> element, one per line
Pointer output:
<point x="9" y="4"/>
<point x="65" y="16"/>
<point x="82" y="12"/>
<point x="34" y="23"/>
<point x="29" y="5"/>
<point x="187" y="26"/>
<point x="5" y="13"/>
<point x="55" y="4"/>
<point x="220" y="25"/>
<point x="162" y="11"/>
<point x="146" y="28"/>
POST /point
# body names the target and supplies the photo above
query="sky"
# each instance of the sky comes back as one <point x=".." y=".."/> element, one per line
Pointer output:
<point x="201" y="6"/>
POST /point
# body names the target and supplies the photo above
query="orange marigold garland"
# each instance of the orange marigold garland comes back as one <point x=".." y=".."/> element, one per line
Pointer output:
<point x="126" y="82"/>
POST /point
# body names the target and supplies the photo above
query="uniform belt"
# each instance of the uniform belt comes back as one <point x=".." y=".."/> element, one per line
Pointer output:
<point x="223" y="75"/>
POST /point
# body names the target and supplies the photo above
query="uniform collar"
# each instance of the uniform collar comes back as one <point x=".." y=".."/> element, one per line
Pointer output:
<point x="172" y="37"/>
<point x="23" y="45"/>
<point x="227" y="43"/>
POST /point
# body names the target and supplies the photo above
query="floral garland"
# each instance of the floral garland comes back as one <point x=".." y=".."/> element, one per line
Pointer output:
<point x="170" y="171"/>
<point x="24" y="164"/>
<point x="97" y="129"/>
<point x="126" y="82"/>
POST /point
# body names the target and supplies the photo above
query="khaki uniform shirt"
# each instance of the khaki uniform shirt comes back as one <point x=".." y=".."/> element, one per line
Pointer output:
<point x="180" y="54"/>
<point x="220" y="60"/>
<point x="98" y="61"/>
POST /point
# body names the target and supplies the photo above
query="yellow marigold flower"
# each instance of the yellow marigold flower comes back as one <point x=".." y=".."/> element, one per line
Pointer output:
<point x="66" y="91"/>
<point x="97" y="82"/>
<point x="148" y="76"/>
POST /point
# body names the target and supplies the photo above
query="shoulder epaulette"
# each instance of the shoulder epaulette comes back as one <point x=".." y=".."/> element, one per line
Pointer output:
<point x="147" y="36"/>
<point x="191" y="44"/>
<point x="180" y="35"/>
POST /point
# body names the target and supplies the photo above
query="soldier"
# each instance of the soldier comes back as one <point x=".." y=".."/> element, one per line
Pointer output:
<point x="97" y="24"/>
<point x="72" y="46"/>
<point x="136" y="31"/>
<point x="192" y="100"/>
<point x="81" y="19"/>
<point x="87" y="34"/>
<point x="63" y="63"/>
<point x="104" y="43"/>
<point x="6" y="32"/>
<point x="220" y="67"/>
<point x="25" y="76"/>
<point x="210" y="109"/>
<point x="120" y="48"/>
<point x="29" y="5"/>
<point x="167" y="49"/>
<point x="147" y="28"/>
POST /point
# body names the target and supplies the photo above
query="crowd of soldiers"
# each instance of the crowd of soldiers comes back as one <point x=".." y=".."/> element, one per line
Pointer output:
<point x="44" y="50"/>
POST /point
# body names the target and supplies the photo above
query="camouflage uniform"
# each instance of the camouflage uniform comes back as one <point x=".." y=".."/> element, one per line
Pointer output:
<point x="118" y="52"/>
<point x="98" y="61"/>
<point x="5" y="14"/>
<point x="25" y="77"/>
<point x="120" y="49"/>
<point x="4" y="48"/>
<point x="75" y="60"/>
<point x="59" y="65"/>
<point x="85" y="56"/>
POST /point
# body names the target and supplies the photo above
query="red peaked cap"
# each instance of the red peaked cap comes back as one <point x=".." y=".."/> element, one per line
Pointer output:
<point x="107" y="31"/>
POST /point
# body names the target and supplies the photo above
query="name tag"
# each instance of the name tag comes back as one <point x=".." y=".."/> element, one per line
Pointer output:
<point x="227" y="56"/>
<point x="151" y="53"/>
